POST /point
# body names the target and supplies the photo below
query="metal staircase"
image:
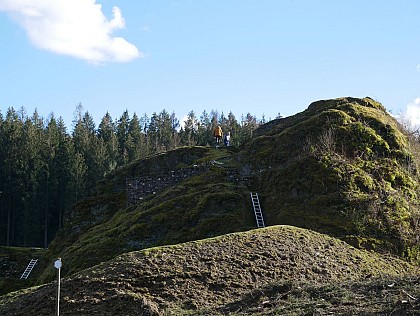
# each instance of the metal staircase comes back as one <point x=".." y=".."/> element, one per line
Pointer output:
<point x="257" y="210"/>
<point x="29" y="268"/>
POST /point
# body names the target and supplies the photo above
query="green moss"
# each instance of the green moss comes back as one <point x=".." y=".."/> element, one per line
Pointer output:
<point x="412" y="253"/>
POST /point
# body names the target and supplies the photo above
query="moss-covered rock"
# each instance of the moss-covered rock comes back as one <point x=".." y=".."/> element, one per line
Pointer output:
<point x="343" y="167"/>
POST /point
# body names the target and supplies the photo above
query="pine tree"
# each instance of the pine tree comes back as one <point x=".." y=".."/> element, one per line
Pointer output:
<point x="87" y="146"/>
<point x="12" y="146"/>
<point x="78" y="172"/>
<point x="249" y="124"/>
<point x="144" y="126"/>
<point x="174" y="126"/>
<point x="3" y="216"/>
<point x="63" y="163"/>
<point x="205" y="130"/>
<point x="189" y="136"/>
<point x="54" y="207"/>
<point x="165" y="131"/>
<point x="136" y="141"/>
<point x="122" y="136"/>
<point x="234" y="128"/>
<point x="34" y="182"/>
<point x="152" y="133"/>
<point x="107" y="135"/>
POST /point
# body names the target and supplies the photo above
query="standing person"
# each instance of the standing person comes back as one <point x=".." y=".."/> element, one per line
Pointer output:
<point x="218" y="134"/>
<point x="227" y="139"/>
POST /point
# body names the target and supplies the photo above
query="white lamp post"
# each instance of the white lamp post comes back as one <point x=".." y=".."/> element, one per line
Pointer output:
<point x="57" y="265"/>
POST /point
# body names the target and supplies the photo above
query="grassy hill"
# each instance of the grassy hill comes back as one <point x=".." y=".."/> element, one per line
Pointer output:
<point x="343" y="168"/>
<point x="236" y="272"/>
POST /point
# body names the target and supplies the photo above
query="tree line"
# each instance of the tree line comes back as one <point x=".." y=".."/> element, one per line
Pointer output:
<point x="44" y="169"/>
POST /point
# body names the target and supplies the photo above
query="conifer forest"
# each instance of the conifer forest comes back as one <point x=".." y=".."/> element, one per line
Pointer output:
<point x="45" y="169"/>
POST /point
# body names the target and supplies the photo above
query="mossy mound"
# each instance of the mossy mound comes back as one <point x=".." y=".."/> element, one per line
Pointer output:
<point x="342" y="167"/>
<point x="207" y="275"/>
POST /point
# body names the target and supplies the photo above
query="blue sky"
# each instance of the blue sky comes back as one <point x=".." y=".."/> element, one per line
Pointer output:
<point x="260" y="56"/>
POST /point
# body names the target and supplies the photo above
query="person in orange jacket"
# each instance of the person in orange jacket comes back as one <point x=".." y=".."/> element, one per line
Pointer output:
<point x="218" y="134"/>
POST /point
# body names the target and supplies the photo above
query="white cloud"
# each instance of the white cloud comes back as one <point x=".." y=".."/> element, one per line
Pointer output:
<point x="411" y="116"/>
<point x="76" y="28"/>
